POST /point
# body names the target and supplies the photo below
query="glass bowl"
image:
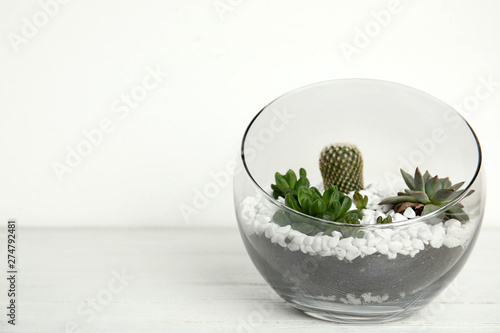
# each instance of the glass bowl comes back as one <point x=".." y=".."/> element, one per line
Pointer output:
<point x="358" y="272"/>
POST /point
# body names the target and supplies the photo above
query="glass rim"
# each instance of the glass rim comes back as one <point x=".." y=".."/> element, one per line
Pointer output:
<point x="415" y="220"/>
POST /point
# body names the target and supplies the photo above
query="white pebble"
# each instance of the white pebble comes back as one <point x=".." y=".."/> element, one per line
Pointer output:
<point x="406" y="243"/>
<point x="293" y="246"/>
<point x="453" y="222"/>
<point x="284" y="230"/>
<point x="358" y="242"/>
<point x="386" y="208"/>
<point x="346" y="243"/>
<point x="352" y="253"/>
<point x="270" y="231"/>
<point x="317" y="244"/>
<point x="324" y="243"/>
<point x="413" y="231"/>
<point x="409" y="213"/>
<point x="424" y="233"/>
<point x="455" y="231"/>
<point x="337" y="234"/>
<point x="308" y="240"/>
<point x="392" y="255"/>
<point x="368" y="249"/>
<point x="299" y="239"/>
<point x="333" y="242"/>
<point x="451" y="242"/>
<point x="404" y="234"/>
<point x="395" y="246"/>
<point x="382" y="248"/>
<point x="294" y="233"/>
<point x="399" y="217"/>
<point x="264" y="219"/>
<point x="374" y="241"/>
<point x="340" y="252"/>
<point x="384" y="233"/>
<point x="417" y="244"/>
<point x="436" y="242"/>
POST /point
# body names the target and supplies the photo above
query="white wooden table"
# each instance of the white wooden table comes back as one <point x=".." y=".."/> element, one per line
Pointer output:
<point x="199" y="280"/>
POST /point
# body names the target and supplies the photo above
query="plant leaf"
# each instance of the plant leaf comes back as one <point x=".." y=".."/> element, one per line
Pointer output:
<point x="292" y="202"/>
<point x="457" y="186"/>
<point x="432" y="186"/>
<point x="429" y="208"/>
<point x="346" y="205"/>
<point x="317" y="208"/>
<point x="291" y="178"/>
<point x="443" y="196"/>
<point x="303" y="227"/>
<point x="408" y="179"/>
<point x="418" y="181"/>
<point x="281" y="182"/>
<point x="281" y="219"/>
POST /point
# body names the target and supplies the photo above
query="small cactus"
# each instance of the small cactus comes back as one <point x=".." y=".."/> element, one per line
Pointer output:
<point x="341" y="165"/>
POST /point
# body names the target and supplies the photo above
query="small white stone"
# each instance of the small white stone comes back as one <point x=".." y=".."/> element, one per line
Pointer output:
<point x="325" y="253"/>
<point x="303" y="248"/>
<point x="404" y="234"/>
<point x="453" y="222"/>
<point x="337" y="234"/>
<point x="270" y="231"/>
<point x="332" y="243"/>
<point x="282" y="242"/>
<point x="413" y="231"/>
<point x="407" y="244"/>
<point x="293" y="246"/>
<point x="391" y="213"/>
<point x="404" y="252"/>
<point x="455" y="231"/>
<point x="417" y="244"/>
<point x="374" y="241"/>
<point x="451" y="242"/>
<point x="317" y="244"/>
<point x="392" y="255"/>
<point x="382" y="248"/>
<point x="263" y="219"/>
<point x="437" y="241"/>
<point x="353" y="253"/>
<point x="284" y="230"/>
<point x="424" y="233"/>
<point x="368" y="249"/>
<point x="276" y="238"/>
<point x="399" y="217"/>
<point x="384" y="233"/>
<point x="409" y="213"/>
<point x="340" y="252"/>
<point x="346" y="243"/>
<point x="414" y="252"/>
<point x="299" y="239"/>
<point x="309" y="249"/>
<point x="358" y="242"/>
<point x="294" y="233"/>
<point x="395" y="246"/>
<point x="324" y="243"/>
<point x="308" y="240"/>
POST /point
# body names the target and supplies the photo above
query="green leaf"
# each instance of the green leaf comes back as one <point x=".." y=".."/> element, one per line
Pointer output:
<point x="458" y="213"/>
<point x="457" y="186"/>
<point x="442" y="196"/>
<point x="418" y="181"/>
<point x="426" y="176"/>
<point x="398" y="199"/>
<point x="276" y="191"/>
<point x="334" y="209"/>
<point x="291" y="178"/>
<point x="408" y="179"/>
<point x="327" y="195"/>
<point x="359" y="200"/>
<point x="317" y="207"/>
<point x="315" y="192"/>
<point x="445" y="183"/>
<point x="346" y="205"/>
<point x="420" y="197"/>
<point x="292" y="202"/>
<point x="281" y="219"/>
<point x="304" y="194"/>
<point x="429" y="208"/>
<point x="303" y="227"/>
<point x="281" y="182"/>
<point x="432" y="186"/>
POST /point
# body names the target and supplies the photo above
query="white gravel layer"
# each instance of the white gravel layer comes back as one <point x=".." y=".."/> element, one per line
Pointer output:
<point x="256" y="218"/>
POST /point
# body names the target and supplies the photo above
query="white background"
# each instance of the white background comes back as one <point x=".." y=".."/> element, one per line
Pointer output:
<point x="225" y="60"/>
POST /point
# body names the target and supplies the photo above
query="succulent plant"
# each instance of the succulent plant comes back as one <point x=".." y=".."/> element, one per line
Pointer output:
<point x="426" y="194"/>
<point x="341" y="165"/>
<point x="332" y="205"/>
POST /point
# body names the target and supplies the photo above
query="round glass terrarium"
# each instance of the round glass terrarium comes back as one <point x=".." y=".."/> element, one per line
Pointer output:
<point x="363" y="272"/>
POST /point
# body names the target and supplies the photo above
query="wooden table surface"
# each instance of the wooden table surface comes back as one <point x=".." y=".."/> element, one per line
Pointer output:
<point x="199" y="280"/>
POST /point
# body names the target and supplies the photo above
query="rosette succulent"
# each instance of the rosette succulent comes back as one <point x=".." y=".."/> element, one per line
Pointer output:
<point x="331" y="205"/>
<point x="426" y="194"/>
